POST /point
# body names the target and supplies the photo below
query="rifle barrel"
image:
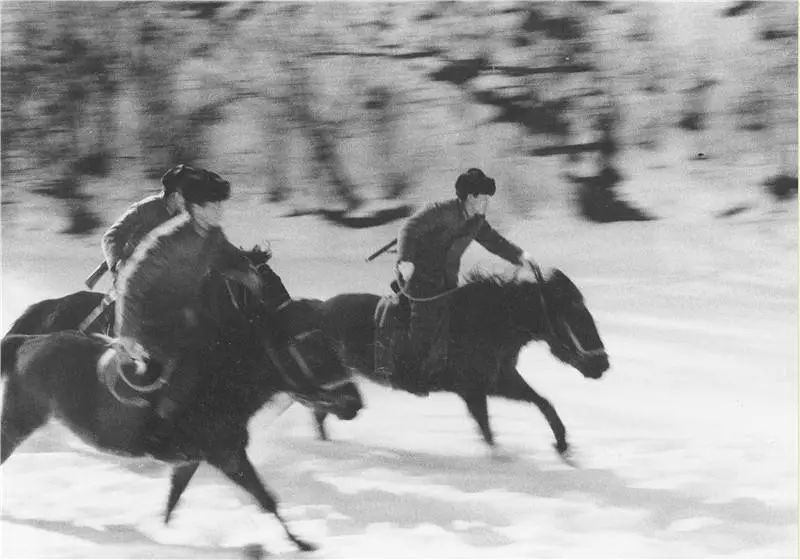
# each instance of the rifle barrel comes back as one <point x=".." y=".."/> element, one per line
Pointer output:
<point x="382" y="250"/>
<point x="98" y="272"/>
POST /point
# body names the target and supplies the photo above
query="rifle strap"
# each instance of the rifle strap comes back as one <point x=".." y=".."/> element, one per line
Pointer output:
<point x="108" y="299"/>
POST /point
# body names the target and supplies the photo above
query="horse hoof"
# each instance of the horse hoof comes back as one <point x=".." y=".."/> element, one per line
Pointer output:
<point x="305" y="546"/>
<point x="566" y="455"/>
<point x="500" y="455"/>
<point x="253" y="551"/>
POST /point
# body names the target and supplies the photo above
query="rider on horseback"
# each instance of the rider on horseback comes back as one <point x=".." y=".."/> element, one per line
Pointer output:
<point x="120" y="240"/>
<point x="160" y="314"/>
<point x="430" y="246"/>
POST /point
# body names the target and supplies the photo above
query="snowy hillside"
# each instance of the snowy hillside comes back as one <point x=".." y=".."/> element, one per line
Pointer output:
<point x="688" y="445"/>
<point x="686" y="448"/>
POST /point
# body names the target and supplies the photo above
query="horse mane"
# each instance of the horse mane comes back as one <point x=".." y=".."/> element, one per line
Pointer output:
<point x="557" y="285"/>
<point x="494" y="304"/>
<point x="487" y="278"/>
<point x="257" y="255"/>
<point x="498" y="305"/>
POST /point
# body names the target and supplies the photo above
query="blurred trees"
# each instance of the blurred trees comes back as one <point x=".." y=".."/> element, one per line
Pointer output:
<point x="330" y="93"/>
<point x="360" y="96"/>
<point x="58" y="87"/>
<point x="65" y="67"/>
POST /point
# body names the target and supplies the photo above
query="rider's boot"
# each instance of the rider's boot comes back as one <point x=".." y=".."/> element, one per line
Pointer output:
<point x="403" y="312"/>
<point x="405" y="371"/>
<point x="167" y="404"/>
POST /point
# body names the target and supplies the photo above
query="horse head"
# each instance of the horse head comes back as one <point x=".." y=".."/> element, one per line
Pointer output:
<point x="316" y="377"/>
<point x="309" y="367"/>
<point x="518" y="311"/>
<point x="568" y="326"/>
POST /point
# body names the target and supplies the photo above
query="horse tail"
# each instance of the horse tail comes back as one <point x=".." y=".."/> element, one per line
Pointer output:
<point x="9" y="347"/>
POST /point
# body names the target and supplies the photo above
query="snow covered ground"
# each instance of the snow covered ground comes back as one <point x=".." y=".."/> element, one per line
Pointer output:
<point x="687" y="447"/>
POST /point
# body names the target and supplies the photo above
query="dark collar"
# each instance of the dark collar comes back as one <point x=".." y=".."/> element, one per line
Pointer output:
<point x="463" y="208"/>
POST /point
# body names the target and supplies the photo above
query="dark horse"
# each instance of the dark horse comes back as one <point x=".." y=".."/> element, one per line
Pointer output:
<point x="55" y="375"/>
<point x="491" y="321"/>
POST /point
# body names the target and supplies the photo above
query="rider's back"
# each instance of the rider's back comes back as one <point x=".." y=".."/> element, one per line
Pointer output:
<point x="163" y="279"/>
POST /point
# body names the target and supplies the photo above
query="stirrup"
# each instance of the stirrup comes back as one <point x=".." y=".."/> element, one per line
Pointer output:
<point x="130" y="351"/>
<point x="109" y="371"/>
<point x="120" y="355"/>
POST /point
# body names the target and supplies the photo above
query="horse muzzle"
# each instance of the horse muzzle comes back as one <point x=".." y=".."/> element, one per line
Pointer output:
<point x="342" y="399"/>
<point x="347" y="402"/>
<point x="593" y="366"/>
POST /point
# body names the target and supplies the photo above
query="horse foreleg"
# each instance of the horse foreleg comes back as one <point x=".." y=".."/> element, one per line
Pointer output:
<point x="238" y="468"/>
<point x="21" y="417"/>
<point x="476" y="404"/>
<point x="319" y="419"/>
<point x="181" y="475"/>
<point x="513" y="386"/>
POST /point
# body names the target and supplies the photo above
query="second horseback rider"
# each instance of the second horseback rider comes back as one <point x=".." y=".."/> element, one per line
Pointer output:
<point x="430" y="246"/>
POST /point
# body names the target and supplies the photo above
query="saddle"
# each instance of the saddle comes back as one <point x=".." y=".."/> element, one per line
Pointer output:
<point x="393" y="345"/>
<point x="133" y="368"/>
<point x="392" y="314"/>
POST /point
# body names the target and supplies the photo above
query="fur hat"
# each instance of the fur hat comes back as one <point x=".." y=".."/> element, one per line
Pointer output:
<point x="197" y="186"/>
<point x="474" y="181"/>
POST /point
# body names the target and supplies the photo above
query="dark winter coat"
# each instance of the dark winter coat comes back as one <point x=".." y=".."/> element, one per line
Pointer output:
<point x="122" y="238"/>
<point x="159" y="290"/>
<point x="435" y="238"/>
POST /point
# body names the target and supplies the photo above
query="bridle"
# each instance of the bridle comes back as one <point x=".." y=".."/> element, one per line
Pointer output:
<point x="577" y="347"/>
<point x="306" y="389"/>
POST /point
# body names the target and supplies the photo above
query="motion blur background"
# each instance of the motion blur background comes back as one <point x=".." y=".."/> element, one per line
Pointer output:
<point x="648" y="149"/>
<point x="603" y="110"/>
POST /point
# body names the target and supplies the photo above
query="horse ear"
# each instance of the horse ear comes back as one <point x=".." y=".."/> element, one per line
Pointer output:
<point x="562" y="287"/>
<point x="555" y="276"/>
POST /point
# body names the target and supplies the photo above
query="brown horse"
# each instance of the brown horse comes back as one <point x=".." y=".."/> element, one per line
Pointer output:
<point x="491" y="321"/>
<point x="55" y="375"/>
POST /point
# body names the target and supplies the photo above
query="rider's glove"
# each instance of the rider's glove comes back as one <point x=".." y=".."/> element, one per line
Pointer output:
<point x="406" y="270"/>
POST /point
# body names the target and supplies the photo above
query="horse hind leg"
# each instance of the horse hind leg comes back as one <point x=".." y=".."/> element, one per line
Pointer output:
<point x="181" y="475"/>
<point x="21" y="416"/>
<point x="476" y="404"/>
<point x="238" y="468"/>
<point x="319" y="421"/>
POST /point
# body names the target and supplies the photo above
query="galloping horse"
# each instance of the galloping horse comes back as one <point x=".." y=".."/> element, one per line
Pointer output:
<point x="491" y="321"/>
<point x="55" y="374"/>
